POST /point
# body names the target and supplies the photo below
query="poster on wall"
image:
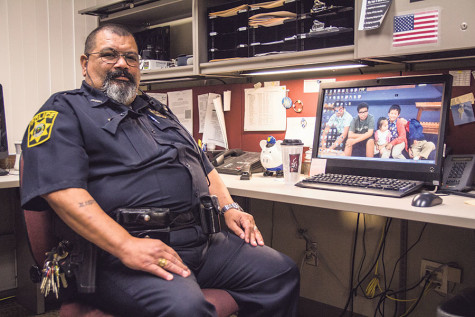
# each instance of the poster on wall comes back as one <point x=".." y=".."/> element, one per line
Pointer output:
<point x="373" y="13"/>
<point x="263" y="109"/>
<point x="181" y="103"/>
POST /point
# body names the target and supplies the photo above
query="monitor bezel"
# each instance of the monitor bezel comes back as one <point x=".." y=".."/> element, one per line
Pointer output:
<point x="3" y="126"/>
<point x="426" y="172"/>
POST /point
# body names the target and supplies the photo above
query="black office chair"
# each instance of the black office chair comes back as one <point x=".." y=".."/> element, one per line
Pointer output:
<point x="38" y="228"/>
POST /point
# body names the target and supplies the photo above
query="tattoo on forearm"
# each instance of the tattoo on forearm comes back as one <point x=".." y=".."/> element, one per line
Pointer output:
<point x="86" y="203"/>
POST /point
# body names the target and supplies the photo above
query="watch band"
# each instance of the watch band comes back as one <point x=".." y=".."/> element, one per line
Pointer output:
<point x="230" y="206"/>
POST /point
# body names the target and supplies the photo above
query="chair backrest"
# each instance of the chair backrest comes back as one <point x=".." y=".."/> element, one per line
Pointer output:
<point x="39" y="228"/>
<point x="40" y="234"/>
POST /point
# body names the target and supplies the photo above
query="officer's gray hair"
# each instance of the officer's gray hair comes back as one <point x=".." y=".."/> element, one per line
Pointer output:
<point x="114" y="28"/>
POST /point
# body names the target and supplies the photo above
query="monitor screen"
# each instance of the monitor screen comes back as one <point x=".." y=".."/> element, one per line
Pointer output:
<point x="3" y="129"/>
<point x="387" y="127"/>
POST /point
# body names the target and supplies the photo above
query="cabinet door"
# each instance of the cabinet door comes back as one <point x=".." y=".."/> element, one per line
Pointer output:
<point x="456" y="29"/>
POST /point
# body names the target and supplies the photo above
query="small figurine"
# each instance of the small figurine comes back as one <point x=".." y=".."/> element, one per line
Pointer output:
<point x="317" y="26"/>
<point x="318" y="6"/>
<point x="271" y="157"/>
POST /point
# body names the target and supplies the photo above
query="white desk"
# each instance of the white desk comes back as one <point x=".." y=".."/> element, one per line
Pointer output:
<point x="9" y="181"/>
<point x="453" y="211"/>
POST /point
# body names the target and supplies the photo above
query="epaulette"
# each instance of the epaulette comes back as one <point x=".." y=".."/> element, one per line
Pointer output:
<point x="72" y="92"/>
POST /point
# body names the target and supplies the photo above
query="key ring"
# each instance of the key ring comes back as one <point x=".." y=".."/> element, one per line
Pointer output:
<point x="298" y="106"/>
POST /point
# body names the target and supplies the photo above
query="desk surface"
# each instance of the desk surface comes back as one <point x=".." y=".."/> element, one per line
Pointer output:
<point x="453" y="211"/>
<point x="9" y="181"/>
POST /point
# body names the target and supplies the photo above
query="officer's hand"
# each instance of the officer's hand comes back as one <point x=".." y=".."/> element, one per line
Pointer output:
<point x="153" y="256"/>
<point x="244" y="226"/>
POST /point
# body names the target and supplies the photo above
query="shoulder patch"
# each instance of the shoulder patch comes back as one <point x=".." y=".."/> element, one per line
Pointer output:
<point x="39" y="129"/>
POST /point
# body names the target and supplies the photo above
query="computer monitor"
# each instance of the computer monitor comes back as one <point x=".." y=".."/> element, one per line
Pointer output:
<point x="421" y="103"/>
<point x="3" y="128"/>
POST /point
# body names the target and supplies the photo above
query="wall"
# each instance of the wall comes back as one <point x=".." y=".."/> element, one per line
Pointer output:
<point x="41" y="41"/>
<point x="458" y="138"/>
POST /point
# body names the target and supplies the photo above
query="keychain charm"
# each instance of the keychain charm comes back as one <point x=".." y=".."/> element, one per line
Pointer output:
<point x="298" y="106"/>
<point x="287" y="102"/>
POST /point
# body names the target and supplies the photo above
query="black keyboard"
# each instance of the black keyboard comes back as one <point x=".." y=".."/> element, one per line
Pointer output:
<point x="362" y="184"/>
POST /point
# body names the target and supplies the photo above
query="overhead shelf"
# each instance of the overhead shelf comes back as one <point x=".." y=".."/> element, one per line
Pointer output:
<point x="141" y="13"/>
<point x="327" y="55"/>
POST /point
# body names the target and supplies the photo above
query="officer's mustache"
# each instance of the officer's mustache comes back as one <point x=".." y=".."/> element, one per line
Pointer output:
<point x="119" y="73"/>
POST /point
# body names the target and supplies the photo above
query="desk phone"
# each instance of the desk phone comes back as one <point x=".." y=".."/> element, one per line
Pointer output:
<point x="459" y="171"/>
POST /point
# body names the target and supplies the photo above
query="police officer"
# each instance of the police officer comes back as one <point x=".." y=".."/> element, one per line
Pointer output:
<point x="90" y="151"/>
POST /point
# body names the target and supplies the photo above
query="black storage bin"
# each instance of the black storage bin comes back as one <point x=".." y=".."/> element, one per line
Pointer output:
<point x="154" y="43"/>
<point x="228" y="37"/>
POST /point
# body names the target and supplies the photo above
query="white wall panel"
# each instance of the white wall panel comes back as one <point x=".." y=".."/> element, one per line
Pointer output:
<point x="40" y="45"/>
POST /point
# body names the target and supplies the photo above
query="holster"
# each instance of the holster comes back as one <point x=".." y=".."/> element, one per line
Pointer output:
<point x="81" y="261"/>
<point x="209" y="214"/>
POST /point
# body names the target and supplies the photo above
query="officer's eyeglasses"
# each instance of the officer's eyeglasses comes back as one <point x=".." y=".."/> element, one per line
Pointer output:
<point x="111" y="56"/>
<point x="361" y="112"/>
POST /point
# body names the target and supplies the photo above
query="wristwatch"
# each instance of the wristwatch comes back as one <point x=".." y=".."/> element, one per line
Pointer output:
<point x="230" y="206"/>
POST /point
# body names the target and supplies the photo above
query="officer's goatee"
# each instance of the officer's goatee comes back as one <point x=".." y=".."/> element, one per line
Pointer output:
<point x="123" y="92"/>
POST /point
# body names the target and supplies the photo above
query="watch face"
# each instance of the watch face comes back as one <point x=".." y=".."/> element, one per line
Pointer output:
<point x="287" y="102"/>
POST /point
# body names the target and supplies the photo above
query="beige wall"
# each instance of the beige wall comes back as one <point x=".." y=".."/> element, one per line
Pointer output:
<point x="40" y="45"/>
<point x="333" y="231"/>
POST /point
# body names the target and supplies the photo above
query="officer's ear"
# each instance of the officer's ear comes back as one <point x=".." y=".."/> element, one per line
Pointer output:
<point x="83" y="60"/>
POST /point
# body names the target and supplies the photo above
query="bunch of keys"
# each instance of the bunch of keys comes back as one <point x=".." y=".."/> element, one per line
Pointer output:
<point x="52" y="277"/>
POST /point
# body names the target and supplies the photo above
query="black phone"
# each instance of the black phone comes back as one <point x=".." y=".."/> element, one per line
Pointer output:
<point x="459" y="172"/>
<point x="233" y="161"/>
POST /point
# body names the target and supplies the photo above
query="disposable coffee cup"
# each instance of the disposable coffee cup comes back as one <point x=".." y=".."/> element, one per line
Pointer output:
<point x="292" y="150"/>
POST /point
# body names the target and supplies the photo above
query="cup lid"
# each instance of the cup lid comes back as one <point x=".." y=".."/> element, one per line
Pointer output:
<point x="292" y="142"/>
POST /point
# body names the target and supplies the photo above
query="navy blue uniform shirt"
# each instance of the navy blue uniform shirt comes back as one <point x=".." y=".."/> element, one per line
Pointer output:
<point x="124" y="156"/>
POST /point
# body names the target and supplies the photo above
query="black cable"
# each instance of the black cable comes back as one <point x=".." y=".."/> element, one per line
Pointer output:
<point x="454" y="192"/>
<point x="383" y="267"/>
<point x="407" y="251"/>
<point x="386" y="230"/>
<point x="364" y="248"/>
<point x="383" y="296"/>
<point x="413" y="307"/>
<point x="352" y="290"/>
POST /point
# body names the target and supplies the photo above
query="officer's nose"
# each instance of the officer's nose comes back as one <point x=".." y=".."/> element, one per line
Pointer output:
<point x="121" y="63"/>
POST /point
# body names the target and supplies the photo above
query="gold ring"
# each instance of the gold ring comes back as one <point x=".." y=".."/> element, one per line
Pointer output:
<point x="162" y="262"/>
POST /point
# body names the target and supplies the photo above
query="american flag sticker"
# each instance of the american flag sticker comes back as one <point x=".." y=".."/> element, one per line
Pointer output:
<point x="417" y="28"/>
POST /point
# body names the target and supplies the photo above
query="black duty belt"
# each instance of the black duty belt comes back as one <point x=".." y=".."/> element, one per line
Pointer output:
<point x="153" y="222"/>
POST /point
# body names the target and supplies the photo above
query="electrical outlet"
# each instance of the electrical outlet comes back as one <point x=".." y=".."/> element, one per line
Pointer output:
<point x="438" y="272"/>
<point x="441" y="274"/>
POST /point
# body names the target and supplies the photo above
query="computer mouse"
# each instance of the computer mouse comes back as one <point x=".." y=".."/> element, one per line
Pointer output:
<point x="426" y="199"/>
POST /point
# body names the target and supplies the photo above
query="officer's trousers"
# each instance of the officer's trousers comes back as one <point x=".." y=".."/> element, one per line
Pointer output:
<point x="263" y="281"/>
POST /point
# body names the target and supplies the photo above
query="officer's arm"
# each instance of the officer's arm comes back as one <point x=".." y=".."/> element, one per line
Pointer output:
<point x="77" y="208"/>
<point x="241" y="223"/>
